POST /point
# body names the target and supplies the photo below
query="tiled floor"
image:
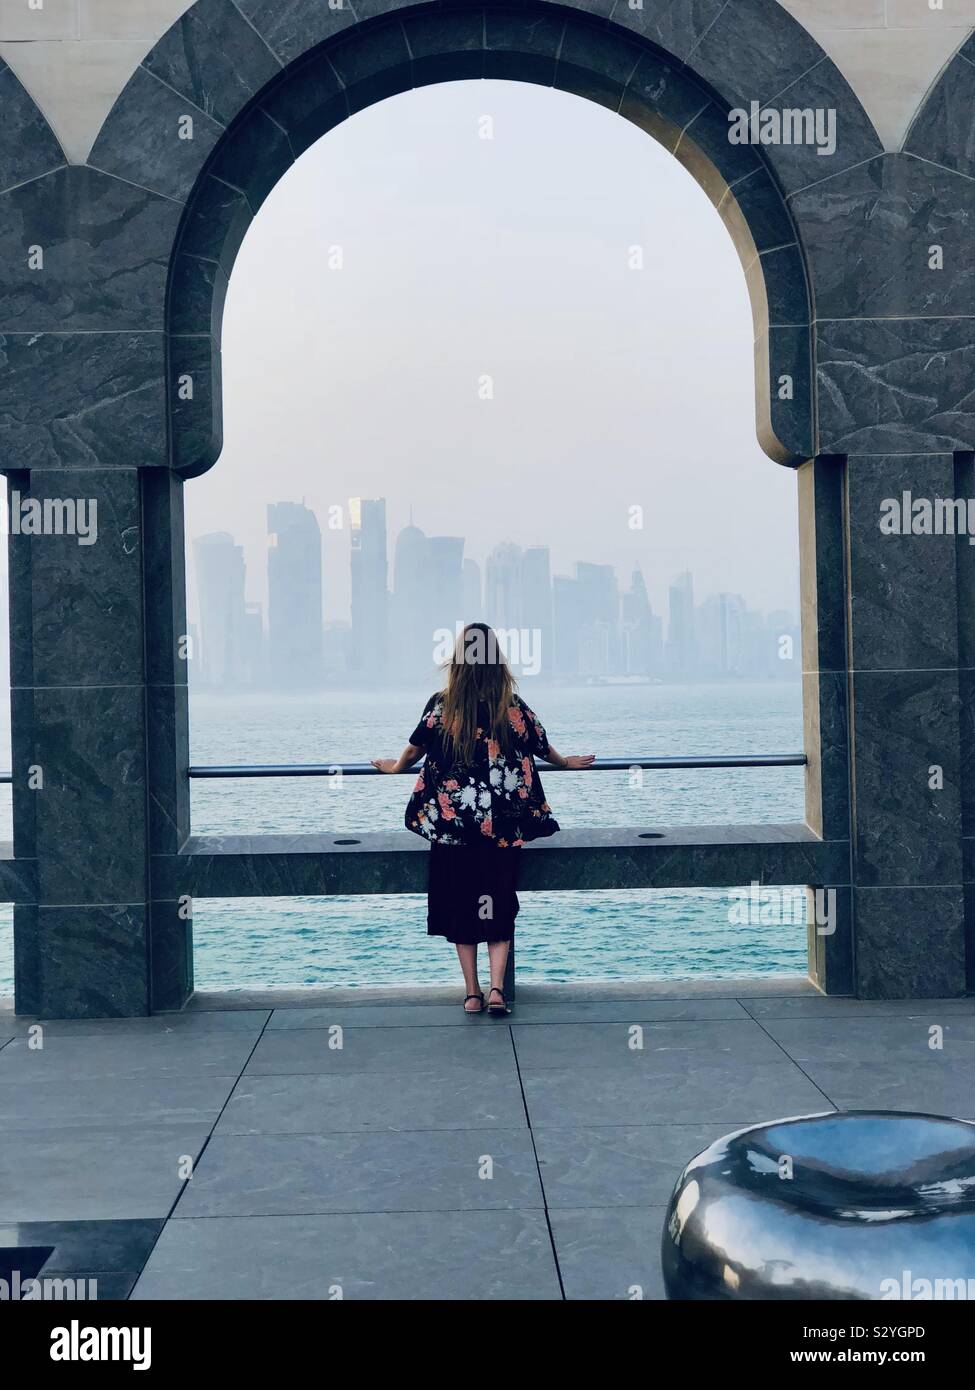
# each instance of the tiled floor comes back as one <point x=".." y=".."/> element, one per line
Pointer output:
<point x="402" y="1150"/>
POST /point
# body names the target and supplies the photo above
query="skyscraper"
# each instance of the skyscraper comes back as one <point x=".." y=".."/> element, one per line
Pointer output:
<point x="681" y="641"/>
<point x="370" y="607"/>
<point x="566" y="624"/>
<point x="220" y="574"/>
<point x="411" y="635"/>
<point x="254" y="648"/>
<point x="502" y="585"/>
<point x="640" y="657"/>
<point x="599" y="653"/>
<point x="473" y="598"/>
<point x="719" y="628"/>
<point x="446" y="582"/>
<point x="536" y="598"/>
<point x="294" y="587"/>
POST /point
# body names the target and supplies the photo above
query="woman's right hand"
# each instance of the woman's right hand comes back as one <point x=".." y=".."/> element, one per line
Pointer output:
<point x="384" y="764"/>
<point x="577" y="761"/>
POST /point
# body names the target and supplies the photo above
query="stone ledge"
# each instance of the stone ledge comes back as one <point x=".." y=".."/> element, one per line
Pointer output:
<point x="535" y="992"/>
<point x="577" y="860"/>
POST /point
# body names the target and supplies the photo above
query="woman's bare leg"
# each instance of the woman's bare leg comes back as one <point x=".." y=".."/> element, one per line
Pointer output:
<point x="467" y="955"/>
<point x="498" y="956"/>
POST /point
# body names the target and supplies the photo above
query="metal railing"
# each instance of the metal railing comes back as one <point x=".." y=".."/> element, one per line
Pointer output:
<point x="218" y="771"/>
<point x="717" y="760"/>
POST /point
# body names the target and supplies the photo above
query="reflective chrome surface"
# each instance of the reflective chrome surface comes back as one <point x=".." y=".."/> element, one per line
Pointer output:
<point x="865" y="1204"/>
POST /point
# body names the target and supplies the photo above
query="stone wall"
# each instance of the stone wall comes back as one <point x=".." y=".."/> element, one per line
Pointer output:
<point x="75" y="56"/>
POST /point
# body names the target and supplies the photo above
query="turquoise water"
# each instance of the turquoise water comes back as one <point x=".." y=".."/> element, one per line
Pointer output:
<point x="561" y="936"/>
<point x="259" y="943"/>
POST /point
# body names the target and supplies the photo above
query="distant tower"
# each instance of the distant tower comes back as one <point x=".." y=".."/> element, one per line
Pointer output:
<point x="411" y="638"/>
<point x="639" y="657"/>
<point x="254" y="654"/>
<point x="720" y="635"/>
<point x="681" y="641"/>
<point x="502" y="584"/>
<point x="294" y="586"/>
<point x="220" y="575"/>
<point x="536" y="604"/>
<point x="370" y="615"/>
<point x="599" y="653"/>
<point x="473" y="599"/>
<point x="447" y="589"/>
<point x="566" y="623"/>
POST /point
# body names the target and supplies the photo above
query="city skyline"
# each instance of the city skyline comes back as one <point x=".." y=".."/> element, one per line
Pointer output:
<point x="409" y="596"/>
<point x="469" y="334"/>
<point x="337" y="537"/>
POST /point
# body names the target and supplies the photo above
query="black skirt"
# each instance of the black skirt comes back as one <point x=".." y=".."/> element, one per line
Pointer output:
<point x="471" y="895"/>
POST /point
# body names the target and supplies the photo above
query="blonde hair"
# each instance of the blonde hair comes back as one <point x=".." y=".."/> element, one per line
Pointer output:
<point x="477" y="673"/>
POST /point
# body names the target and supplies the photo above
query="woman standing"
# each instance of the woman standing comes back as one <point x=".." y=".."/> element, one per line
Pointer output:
<point x="478" y="798"/>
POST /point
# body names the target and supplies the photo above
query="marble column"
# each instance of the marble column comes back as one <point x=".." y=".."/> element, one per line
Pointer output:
<point x="965" y="560"/>
<point x="100" y="743"/>
<point x="905" y="719"/>
<point x="167" y="731"/>
<point x="79" y="747"/>
<point x="822" y="572"/>
<point x="85" y="259"/>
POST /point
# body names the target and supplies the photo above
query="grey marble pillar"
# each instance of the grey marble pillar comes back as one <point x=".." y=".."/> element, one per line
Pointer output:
<point x="85" y="261"/>
<point x="822" y="571"/>
<point x="100" y="743"/>
<point x="965" y="558"/>
<point x="79" y="747"/>
<point x="167" y="719"/>
<point x="905" y="718"/>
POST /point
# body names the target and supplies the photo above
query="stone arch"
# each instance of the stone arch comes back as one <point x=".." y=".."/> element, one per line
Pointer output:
<point x="29" y="149"/>
<point x="262" y="81"/>
<point x="943" y="129"/>
<point x="138" y="244"/>
<point x="30" y="153"/>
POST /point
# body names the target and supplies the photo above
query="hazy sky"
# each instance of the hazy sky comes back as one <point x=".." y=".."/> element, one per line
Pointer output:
<point x="464" y="257"/>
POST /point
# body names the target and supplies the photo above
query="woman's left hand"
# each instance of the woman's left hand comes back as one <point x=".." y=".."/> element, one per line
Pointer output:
<point x="576" y="762"/>
<point x="384" y="764"/>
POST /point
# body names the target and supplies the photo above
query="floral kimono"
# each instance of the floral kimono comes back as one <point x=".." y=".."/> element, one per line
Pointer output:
<point x="496" y="799"/>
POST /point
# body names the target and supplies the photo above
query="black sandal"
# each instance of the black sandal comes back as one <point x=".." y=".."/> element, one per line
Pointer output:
<point x="474" y="996"/>
<point x="499" y="1010"/>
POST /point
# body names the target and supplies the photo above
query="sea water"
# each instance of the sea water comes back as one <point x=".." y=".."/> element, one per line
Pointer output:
<point x="379" y="939"/>
<point x="376" y="939"/>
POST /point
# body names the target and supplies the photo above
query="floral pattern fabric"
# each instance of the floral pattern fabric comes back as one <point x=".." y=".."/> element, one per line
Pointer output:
<point x="497" y="798"/>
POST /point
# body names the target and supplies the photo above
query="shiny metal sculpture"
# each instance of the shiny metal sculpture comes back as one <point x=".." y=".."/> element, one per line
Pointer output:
<point x="866" y="1204"/>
